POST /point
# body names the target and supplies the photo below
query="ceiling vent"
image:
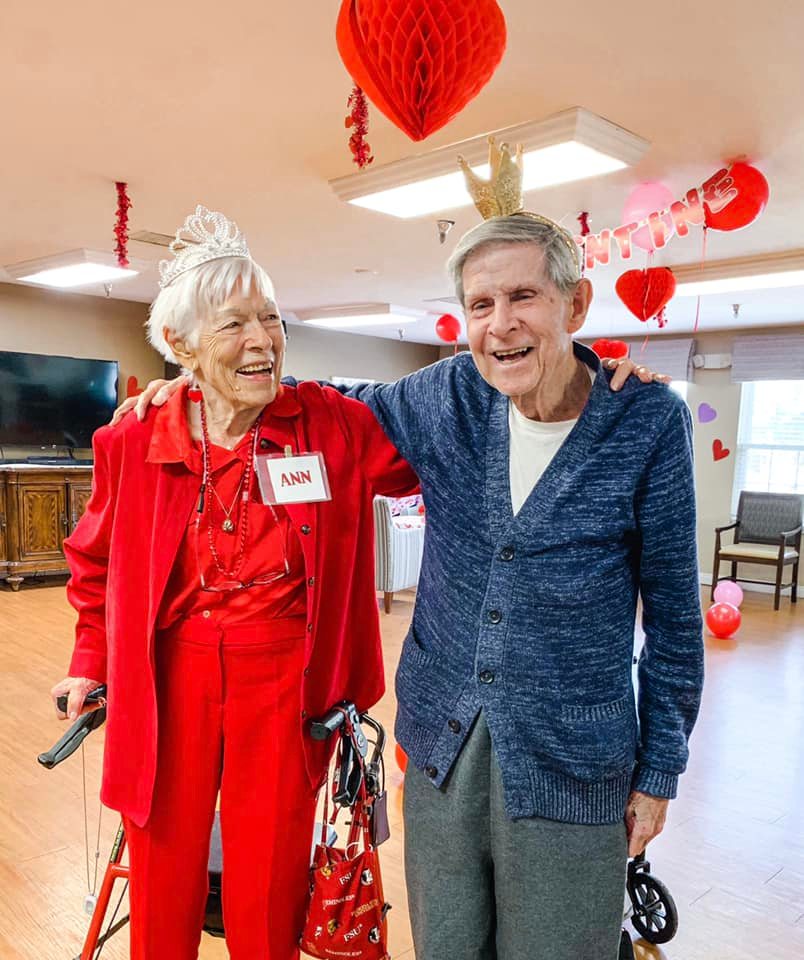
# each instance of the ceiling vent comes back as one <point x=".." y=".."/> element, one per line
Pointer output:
<point x="156" y="239"/>
<point x="444" y="299"/>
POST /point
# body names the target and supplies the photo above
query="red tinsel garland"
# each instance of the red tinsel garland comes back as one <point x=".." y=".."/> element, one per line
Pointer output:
<point x="358" y="119"/>
<point x="121" y="224"/>
<point x="583" y="219"/>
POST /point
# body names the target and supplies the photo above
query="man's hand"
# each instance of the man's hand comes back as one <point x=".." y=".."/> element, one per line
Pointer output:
<point x="644" y="820"/>
<point x="624" y="367"/>
<point x="157" y="393"/>
<point x="76" y="690"/>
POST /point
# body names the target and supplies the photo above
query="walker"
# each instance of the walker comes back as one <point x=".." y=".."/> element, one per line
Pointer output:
<point x="348" y="777"/>
<point x="652" y="910"/>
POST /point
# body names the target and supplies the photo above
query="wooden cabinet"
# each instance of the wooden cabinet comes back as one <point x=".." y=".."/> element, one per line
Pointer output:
<point x="41" y="506"/>
<point x="79" y="493"/>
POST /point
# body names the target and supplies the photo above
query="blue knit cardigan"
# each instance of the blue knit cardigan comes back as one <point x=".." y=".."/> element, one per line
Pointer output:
<point x="530" y="618"/>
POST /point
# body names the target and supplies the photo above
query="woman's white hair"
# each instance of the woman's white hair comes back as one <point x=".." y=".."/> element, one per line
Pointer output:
<point x="182" y="306"/>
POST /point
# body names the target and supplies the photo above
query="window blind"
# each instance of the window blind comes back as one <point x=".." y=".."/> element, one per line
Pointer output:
<point x="768" y="358"/>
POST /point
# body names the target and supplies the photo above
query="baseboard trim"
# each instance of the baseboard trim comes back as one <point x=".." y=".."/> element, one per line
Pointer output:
<point x="705" y="579"/>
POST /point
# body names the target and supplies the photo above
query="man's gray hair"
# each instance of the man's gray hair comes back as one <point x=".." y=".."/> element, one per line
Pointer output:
<point x="560" y="260"/>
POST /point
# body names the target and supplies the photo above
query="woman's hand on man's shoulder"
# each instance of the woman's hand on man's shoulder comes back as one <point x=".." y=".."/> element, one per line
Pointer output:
<point x="625" y="367"/>
<point x="157" y="392"/>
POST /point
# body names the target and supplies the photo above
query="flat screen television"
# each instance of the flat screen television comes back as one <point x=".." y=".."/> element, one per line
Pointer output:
<point x="61" y="401"/>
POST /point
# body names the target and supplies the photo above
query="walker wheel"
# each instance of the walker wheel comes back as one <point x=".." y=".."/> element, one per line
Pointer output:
<point x="655" y="916"/>
<point x="626" y="947"/>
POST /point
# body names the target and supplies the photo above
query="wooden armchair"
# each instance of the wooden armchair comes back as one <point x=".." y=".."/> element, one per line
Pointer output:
<point x="767" y="530"/>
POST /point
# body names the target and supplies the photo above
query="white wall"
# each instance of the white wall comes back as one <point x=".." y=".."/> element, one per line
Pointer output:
<point x="321" y="354"/>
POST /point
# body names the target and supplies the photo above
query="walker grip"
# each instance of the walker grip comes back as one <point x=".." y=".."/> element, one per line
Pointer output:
<point x="93" y="697"/>
<point x="73" y="739"/>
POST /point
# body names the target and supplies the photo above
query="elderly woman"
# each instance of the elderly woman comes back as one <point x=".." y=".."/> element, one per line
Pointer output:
<point x="219" y="616"/>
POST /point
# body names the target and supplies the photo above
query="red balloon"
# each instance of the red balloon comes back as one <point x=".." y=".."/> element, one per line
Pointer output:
<point x="723" y="619"/>
<point x="401" y="758"/>
<point x="448" y="328"/>
<point x="752" y="196"/>
<point x="610" y="348"/>
<point x="421" y="61"/>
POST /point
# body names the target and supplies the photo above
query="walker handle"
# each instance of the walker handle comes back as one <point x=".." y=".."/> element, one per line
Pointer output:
<point x="322" y="729"/>
<point x="73" y="739"/>
<point x="93" y="697"/>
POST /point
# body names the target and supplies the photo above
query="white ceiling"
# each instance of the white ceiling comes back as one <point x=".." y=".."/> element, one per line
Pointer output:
<point x="242" y="109"/>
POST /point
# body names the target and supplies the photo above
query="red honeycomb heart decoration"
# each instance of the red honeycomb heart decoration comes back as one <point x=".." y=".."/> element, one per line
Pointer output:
<point x="421" y="61"/>
<point x="646" y="292"/>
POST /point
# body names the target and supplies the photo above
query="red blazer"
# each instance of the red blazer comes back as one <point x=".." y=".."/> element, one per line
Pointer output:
<point x="122" y="551"/>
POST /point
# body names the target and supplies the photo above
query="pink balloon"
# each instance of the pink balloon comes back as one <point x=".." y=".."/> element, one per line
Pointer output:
<point x="645" y="198"/>
<point x="727" y="591"/>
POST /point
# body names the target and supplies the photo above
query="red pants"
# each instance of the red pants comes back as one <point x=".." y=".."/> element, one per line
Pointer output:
<point x="230" y="720"/>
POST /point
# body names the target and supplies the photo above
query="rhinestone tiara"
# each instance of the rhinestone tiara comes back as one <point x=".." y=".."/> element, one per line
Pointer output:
<point x="205" y="235"/>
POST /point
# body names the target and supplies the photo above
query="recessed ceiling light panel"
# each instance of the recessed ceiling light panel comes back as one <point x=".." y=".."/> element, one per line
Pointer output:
<point x="572" y="145"/>
<point x="75" y="268"/>
<point x="359" y="315"/>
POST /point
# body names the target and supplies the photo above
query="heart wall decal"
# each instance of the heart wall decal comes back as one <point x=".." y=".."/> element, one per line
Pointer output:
<point x="421" y="61"/>
<point x="706" y="414"/>
<point x="719" y="452"/>
<point x="646" y="292"/>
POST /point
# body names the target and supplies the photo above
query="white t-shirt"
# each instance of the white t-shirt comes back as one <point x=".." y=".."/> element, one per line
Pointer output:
<point x="533" y="444"/>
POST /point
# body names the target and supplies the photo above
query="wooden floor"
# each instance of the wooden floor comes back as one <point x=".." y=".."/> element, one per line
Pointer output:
<point x="732" y="853"/>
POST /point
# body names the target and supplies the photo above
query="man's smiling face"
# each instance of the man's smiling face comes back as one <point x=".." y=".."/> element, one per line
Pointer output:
<point x="519" y="324"/>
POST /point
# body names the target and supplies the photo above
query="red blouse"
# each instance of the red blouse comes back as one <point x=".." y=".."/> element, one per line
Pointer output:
<point x="269" y="541"/>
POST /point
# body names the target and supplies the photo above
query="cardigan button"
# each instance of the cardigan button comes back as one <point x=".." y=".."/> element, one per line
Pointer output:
<point x="507" y="553"/>
<point x="495" y="616"/>
<point x="304" y="714"/>
<point x="306" y="528"/>
<point x="306" y="671"/>
<point x="310" y="581"/>
<point x="264" y="444"/>
<point x="486" y="676"/>
<point x="431" y="771"/>
<point x="454" y="725"/>
<point x="309" y="628"/>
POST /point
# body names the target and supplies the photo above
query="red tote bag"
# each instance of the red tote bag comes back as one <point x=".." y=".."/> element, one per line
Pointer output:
<point x="347" y="913"/>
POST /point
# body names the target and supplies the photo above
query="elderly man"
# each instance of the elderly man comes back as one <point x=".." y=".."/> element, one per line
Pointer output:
<point x="553" y="503"/>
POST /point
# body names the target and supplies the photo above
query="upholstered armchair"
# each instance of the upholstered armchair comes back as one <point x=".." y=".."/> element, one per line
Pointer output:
<point x="398" y="548"/>
<point x="767" y="530"/>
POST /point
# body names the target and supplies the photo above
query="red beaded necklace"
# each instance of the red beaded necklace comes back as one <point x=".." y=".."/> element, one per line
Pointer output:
<point x="243" y="490"/>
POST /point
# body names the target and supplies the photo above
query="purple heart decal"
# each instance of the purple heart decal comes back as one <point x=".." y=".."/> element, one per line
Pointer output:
<point x="706" y="414"/>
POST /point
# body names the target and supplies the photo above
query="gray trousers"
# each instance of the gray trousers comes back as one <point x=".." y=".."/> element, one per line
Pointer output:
<point x="483" y="887"/>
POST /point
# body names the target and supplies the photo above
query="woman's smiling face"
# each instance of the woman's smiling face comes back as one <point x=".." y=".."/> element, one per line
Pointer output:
<point x="241" y="348"/>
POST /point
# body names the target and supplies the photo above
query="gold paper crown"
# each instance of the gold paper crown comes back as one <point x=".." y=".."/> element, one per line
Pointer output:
<point x="501" y="194"/>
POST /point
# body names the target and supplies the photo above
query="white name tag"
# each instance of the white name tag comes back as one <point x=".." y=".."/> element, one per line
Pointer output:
<point x="298" y="479"/>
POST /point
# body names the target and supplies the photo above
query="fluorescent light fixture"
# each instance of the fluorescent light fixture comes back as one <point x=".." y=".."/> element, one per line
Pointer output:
<point x="571" y="145"/>
<point x="359" y="315"/>
<point x="769" y="272"/>
<point x="75" y="268"/>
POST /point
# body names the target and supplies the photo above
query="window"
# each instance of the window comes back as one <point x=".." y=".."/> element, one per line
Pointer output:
<point x="770" y="438"/>
<point x="679" y="387"/>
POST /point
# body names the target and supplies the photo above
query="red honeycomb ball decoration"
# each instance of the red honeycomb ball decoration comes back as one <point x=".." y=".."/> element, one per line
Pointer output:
<point x="421" y="61"/>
